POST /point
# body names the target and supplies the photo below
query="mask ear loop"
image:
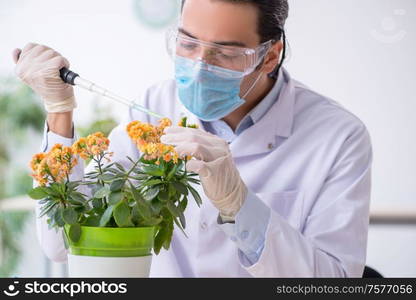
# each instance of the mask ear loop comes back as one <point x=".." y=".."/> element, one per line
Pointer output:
<point x="275" y="72"/>
<point x="257" y="79"/>
<point x="252" y="86"/>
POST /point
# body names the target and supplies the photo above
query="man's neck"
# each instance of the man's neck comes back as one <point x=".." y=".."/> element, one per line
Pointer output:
<point x="252" y="100"/>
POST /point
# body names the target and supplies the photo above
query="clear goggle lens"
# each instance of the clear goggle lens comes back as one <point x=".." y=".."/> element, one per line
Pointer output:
<point x="238" y="59"/>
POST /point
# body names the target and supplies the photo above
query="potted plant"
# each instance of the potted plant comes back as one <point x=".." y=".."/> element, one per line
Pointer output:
<point x="128" y="213"/>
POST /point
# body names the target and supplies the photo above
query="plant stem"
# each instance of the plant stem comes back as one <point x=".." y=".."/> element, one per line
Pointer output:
<point x="98" y="161"/>
<point x="132" y="168"/>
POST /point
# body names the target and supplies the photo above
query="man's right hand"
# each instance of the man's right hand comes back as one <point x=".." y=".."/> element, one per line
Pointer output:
<point x="38" y="66"/>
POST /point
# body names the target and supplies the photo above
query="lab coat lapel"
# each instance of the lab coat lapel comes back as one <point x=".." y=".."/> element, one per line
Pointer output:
<point x="278" y="122"/>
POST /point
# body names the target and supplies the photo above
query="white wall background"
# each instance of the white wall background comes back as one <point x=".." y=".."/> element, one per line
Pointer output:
<point x="359" y="52"/>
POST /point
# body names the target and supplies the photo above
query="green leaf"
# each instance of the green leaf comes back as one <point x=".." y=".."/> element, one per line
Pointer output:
<point x="139" y="177"/>
<point x="156" y="206"/>
<point x="105" y="218"/>
<point x="151" y="193"/>
<point x="47" y="207"/>
<point x="172" y="209"/>
<point x="93" y="221"/>
<point x="180" y="227"/>
<point x="44" y="201"/>
<point x="115" y="197"/>
<point x="163" y="236"/>
<point x="77" y="197"/>
<point x="183" y="204"/>
<point x="97" y="203"/>
<point x="52" y="211"/>
<point x="196" y="196"/>
<point x="172" y="172"/>
<point x="80" y="209"/>
<point x="38" y="193"/>
<point x="153" y="170"/>
<point x="182" y="219"/>
<point x="117" y="185"/>
<point x="152" y="182"/>
<point x="74" y="232"/>
<point x="171" y="191"/>
<point x="193" y="180"/>
<point x="108" y="166"/>
<point x="121" y="214"/>
<point x="154" y="221"/>
<point x="131" y="160"/>
<point x="120" y="167"/>
<point x="143" y="209"/>
<point x="106" y="177"/>
<point x="180" y="187"/>
<point x="59" y="221"/>
<point x="166" y="243"/>
<point x="135" y="215"/>
<point x="58" y="187"/>
<point x="73" y="184"/>
<point x="136" y="194"/>
<point x="192" y="174"/>
<point x="102" y="192"/>
<point x="177" y="213"/>
<point x="70" y="216"/>
<point x="163" y="196"/>
<point x="114" y="171"/>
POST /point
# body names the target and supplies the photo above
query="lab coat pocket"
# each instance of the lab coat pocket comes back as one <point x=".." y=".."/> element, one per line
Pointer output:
<point x="288" y="204"/>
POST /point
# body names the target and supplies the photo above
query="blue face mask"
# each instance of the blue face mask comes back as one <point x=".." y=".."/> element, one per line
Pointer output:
<point x="208" y="91"/>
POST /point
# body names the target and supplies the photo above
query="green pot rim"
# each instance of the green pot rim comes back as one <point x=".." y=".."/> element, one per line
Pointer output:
<point x="113" y="242"/>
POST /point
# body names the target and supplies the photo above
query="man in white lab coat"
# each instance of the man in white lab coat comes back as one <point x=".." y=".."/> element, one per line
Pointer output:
<point x="285" y="171"/>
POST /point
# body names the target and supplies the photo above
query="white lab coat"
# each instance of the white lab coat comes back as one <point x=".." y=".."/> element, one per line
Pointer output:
<point x="308" y="159"/>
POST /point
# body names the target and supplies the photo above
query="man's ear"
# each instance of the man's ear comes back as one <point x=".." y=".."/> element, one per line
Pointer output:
<point x="272" y="58"/>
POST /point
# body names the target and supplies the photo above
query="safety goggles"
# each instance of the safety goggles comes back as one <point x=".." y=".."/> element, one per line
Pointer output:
<point x="215" y="57"/>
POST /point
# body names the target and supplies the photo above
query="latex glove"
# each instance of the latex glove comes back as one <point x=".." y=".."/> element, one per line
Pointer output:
<point x="38" y="66"/>
<point x="213" y="162"/>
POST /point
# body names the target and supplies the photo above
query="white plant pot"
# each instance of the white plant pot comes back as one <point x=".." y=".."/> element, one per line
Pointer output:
<point x="108" y="267"/>
<point x="106" y="252"/>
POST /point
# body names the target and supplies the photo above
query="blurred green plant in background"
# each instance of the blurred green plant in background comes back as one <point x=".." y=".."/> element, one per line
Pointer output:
<point x="11" y="226"/>
<point x="21" y="117"/>
<point x="21" y="124"/>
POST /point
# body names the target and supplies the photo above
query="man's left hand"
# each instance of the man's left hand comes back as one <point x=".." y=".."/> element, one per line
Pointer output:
<point x="213" y="162"/>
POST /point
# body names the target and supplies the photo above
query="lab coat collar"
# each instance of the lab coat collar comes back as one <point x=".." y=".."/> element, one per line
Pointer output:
<point x="261" y="136"/>
<point x="277" y="122"/>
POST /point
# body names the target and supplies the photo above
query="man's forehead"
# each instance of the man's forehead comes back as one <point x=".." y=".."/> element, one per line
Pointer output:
<point x="234" y="43"/>
<point x="220" y="22"/>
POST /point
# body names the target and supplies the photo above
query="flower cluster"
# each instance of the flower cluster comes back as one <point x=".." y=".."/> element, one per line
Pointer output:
<point x="57" y="164"/>
<point x="147" y="139"/>
<point x="93" y="145"/>
<point x="54" y="166"/>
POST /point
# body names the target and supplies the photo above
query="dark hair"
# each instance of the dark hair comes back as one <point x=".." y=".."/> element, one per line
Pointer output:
<point x="271" y="21"/>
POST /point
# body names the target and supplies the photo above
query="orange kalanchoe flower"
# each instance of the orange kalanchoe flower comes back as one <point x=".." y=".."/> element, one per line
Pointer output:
<point x="147" y="139"/>
<point x="54" y="166"/>
<point x="93" y="145"/>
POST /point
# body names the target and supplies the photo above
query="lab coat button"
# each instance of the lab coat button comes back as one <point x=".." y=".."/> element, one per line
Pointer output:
<point x="204" y="225"/>
<point x="270" y="146"/>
